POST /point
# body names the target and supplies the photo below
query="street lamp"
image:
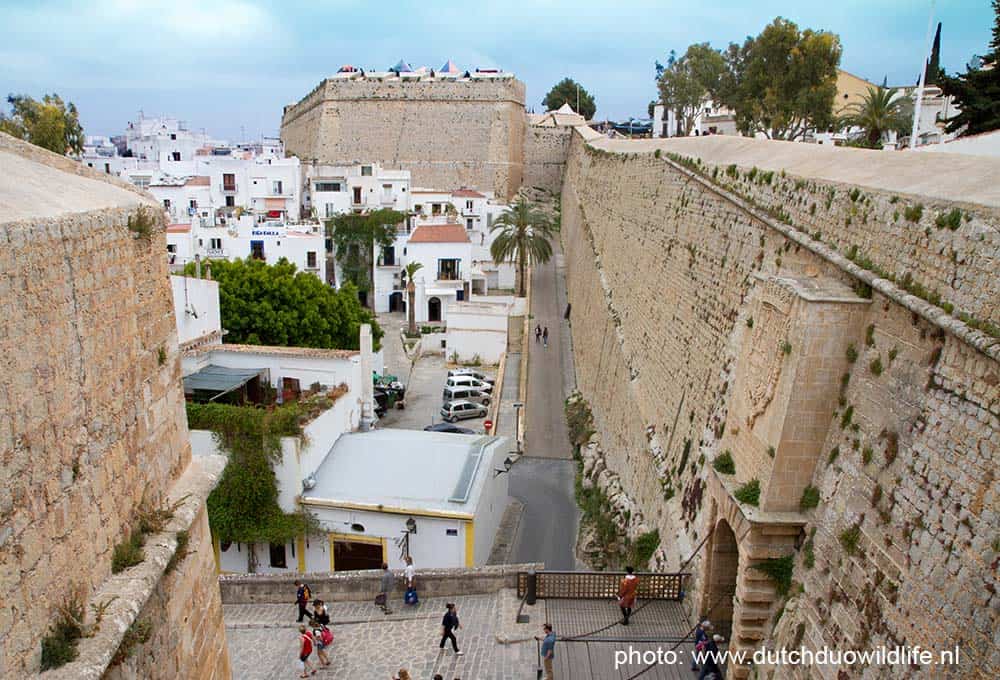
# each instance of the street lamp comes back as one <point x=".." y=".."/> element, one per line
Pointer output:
<point x="517" y="424"/>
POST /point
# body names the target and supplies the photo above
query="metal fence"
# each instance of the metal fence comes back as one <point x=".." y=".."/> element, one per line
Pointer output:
<point x="595" y="585"/>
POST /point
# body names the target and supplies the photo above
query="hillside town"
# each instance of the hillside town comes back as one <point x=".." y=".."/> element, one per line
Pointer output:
<point x="420" y="382"/>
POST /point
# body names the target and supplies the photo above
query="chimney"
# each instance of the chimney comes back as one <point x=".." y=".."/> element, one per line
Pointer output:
<point x="367" y="388"/>
<point x="197" y="266"/>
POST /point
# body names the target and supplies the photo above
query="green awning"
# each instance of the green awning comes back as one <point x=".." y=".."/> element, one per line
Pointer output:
<point x="219" y="379"/>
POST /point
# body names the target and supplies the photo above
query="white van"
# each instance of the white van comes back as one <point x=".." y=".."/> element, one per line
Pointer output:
<point x="468" y="381"/>
<point x="461" y="392"/>
<point x="474" y="372"/>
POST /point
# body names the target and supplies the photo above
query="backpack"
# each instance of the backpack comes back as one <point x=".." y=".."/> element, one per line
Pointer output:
<point x="306" y="593"/>
<point x="411" y="596"/>
<point x="326" y="635"/>
<point x="307" y="644"/>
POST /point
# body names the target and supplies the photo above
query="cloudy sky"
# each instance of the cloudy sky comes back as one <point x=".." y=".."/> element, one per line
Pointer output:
<point x="230" y="65"/>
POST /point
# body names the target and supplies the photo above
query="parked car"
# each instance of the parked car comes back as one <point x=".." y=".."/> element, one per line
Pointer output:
<point x="462" y="393"/>
<point x="449" y="428"/>
<point x="474" y="372"/>
<point x="468" y="381"/>
<point x="461" y="410"/>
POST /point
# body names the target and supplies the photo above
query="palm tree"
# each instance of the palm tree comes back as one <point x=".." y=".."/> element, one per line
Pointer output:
<point x="525" y="234"/>
<point x="880" y="111"/>
<point x="411" y="294"/>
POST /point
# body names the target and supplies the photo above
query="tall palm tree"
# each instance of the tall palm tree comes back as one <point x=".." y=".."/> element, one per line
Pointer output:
<point x="880" y="111"/>
<point x="525" y="235"/>
<point x="411" y="294"/>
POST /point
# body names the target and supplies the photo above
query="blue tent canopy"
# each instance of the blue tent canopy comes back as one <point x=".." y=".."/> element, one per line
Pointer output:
<point x="401" y="67"/>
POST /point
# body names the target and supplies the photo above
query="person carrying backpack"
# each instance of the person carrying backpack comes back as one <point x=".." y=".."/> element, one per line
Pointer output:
<point x="322" y="638"/>
<point x="302" y="596"/>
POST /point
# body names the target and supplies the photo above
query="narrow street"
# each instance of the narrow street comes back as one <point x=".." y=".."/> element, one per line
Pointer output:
<point x="543" y="478"/>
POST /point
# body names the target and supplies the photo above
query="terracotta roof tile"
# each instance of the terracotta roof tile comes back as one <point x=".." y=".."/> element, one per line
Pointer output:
<point x="198" y="181"/>
<point x="439" y="233"/>
<point x="467" y="193"/>
<point x="178" y="228"/>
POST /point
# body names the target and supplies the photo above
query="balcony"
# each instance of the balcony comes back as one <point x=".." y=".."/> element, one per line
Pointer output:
<point x="219" y="253"/>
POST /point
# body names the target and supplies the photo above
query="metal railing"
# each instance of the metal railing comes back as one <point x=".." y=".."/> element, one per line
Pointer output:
<point x="601" y="585"/>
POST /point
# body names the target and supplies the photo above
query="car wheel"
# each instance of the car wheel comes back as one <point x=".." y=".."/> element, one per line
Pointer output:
<point x="449" y="419"/>
<point x="486" y="402"/>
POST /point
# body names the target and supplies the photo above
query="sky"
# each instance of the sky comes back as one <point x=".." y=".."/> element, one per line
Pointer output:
<point x="230" y="66"/>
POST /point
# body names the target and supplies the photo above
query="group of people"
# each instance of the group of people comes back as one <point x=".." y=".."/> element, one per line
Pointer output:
<point x="315" y="636"/>
<point x="542" y="335"/>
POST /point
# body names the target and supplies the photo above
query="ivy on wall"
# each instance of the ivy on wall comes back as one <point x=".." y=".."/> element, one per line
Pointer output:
<point x="243" y="507"/>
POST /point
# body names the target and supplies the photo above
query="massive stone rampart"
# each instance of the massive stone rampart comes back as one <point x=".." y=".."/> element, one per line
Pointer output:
<point x="838" y="342"/>
<point x="92" y="422"/>
<point x="446" y="132"/>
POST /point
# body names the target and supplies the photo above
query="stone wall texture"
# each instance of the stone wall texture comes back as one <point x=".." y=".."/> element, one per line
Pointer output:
<point x="447" y="133"/>
<point x="668" y="261"/>
<point x="91" y="411"/>
<point x="545" y="150"/>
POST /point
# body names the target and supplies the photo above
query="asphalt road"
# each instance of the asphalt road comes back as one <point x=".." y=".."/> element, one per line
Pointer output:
<point x="543" y="478"/>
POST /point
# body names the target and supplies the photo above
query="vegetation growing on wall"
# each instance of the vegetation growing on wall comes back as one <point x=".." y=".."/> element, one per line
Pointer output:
<point x="724" y="463"/>
<point x="243" y="507"/>
<point x="356" y="236"/>
<point x="749" y="493"/>
<point x="779" y="570"/>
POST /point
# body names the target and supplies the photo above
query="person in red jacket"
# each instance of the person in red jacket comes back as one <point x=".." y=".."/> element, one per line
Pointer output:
<point x="305" y="651"/>
<point x="627" y="590"/>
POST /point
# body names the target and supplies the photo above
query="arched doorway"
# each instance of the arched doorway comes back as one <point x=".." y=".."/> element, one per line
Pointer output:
<point x="396" y="302"/>
<point x="434" y="309"/>
<point x="722" y="570"/>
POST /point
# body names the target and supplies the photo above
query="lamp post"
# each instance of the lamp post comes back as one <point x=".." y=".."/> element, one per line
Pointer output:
<point x="517" y="424"/>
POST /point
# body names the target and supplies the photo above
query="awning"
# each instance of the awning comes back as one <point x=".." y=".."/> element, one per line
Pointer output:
<point x="219" y="379"/>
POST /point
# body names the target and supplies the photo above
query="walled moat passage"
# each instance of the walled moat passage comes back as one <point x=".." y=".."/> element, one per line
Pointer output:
<point x="717" y="308"/>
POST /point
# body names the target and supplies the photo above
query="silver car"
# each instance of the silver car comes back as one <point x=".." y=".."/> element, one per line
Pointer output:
<point x="462" y="410"/>
<point x="463" y="393"/>
<point x="474" y="372"/>
<point x="468" y="381"/>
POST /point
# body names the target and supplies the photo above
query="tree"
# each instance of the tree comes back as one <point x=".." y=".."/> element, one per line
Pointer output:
<point x="51" y="123"/>
<point x="525" y="235"/>
<point x="685" y="83"/>
<point x="411" y="294"/>
<point x="264" y="304"/>
<point x="783" y="82"/>
<point x="566" y="91"/>
<point x="880" y="111"/>
<point x="355" y="237"/>
<point x="977" y="91"/>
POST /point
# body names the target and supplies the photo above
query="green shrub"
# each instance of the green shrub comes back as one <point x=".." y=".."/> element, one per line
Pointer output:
<point x="137" y="634"/>
<point x="951" y="219"/>
<point x="770" y="451"/>
<point x="779" y="570"/>
<point x="724" y="464"/>
<point x="656" y="154"/>
<point x="644" y="547"/>
<point x="849" y="539"/>
<point x="749" y="493"/>
<point x="866" y="455"/>
<point x="579" y="421"/>
<point x="852" y="353"/>
<point x="876" y="366"/>
<point x="870" y="335"/>
<point x="129" y="552"/>
<point x="808" y="555"/>
<point x="161" y="356"/>
<point x="810" y="498"/>
<point x="845" y="419"/>
<point x="59" y="646"/>
<point x="141" y="222"/>
<point x="913" y="213"/>
<point x="834" y="452"/>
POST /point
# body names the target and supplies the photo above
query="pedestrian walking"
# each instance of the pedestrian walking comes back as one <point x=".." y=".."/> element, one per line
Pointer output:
<point x="538" y="333"/>
<point x="302" y="597"/>
<point x="710" y="667"/>
<point x="305" y="651"/>
<point x="545" y="337"/>
<point x="449" y="624"/>
<point x="548" y="649"/>
<point x="388" y="582"/>
<point x="627" y="590"/>
<point x="701" y="633"/>
<point x="322" y="638"/>
<point x="410" y="577"/>
<point x="320" y="616"/>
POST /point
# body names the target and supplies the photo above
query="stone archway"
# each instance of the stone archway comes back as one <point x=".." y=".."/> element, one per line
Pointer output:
<point x="396" y="302"/>
<point x="722" y="573"/>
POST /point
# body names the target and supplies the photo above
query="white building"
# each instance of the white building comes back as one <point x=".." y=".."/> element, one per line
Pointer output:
<point x="330" y="190"/>
<point x="303" y="245"/>
<point x="983" y="144"/>
<point x="477" y="331"/>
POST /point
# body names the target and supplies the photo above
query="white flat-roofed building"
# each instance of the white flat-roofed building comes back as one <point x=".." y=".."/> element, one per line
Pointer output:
<point x="330" y="190"/>
<point x="384" y="494"/>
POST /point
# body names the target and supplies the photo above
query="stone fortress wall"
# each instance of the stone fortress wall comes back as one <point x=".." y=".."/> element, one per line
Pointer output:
<point x="715" y="309"/>
<point x="92" y="428"/>
<point x="447" y="132"/>
<point x="545" y="151"/>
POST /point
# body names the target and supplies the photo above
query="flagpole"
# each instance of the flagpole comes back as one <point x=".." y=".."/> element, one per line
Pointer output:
<point x="920" y="86"/>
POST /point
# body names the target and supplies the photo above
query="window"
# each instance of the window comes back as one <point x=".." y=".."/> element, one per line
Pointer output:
<point x="230" y="201"/>
<point x="327" y="186"/>
<point x="311" y="259"/>
<point x="171" y="247"/>
<point x="435" y="208"/>
<point x="107" y="168"/>
<point x="166" y="204"/>
<point x="278" y="556"/>
<point x="418" y="208"/>
<point x="448" y="270"/>
<point x="141" y="182"/>
<point x="468" y="205"/>
<point x="175" y="156"/>
<point x="193" y="203"/>
<point x="468" y="223"/>
<point x="360" y="528"/>
<point x="357" y="195"/>
<point x="215" y="243"/>
<point x="257" y="250"/>
<point x="173" y="136"/>
<point x="228" y="181"/>
<point x="451" y="532"/>
<point x="389" y="256"/>
<point x="386" y="193"/>
<point x="331" y="210"/>
<point x="276" y="187"/>
<point x="366" y="171"/>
